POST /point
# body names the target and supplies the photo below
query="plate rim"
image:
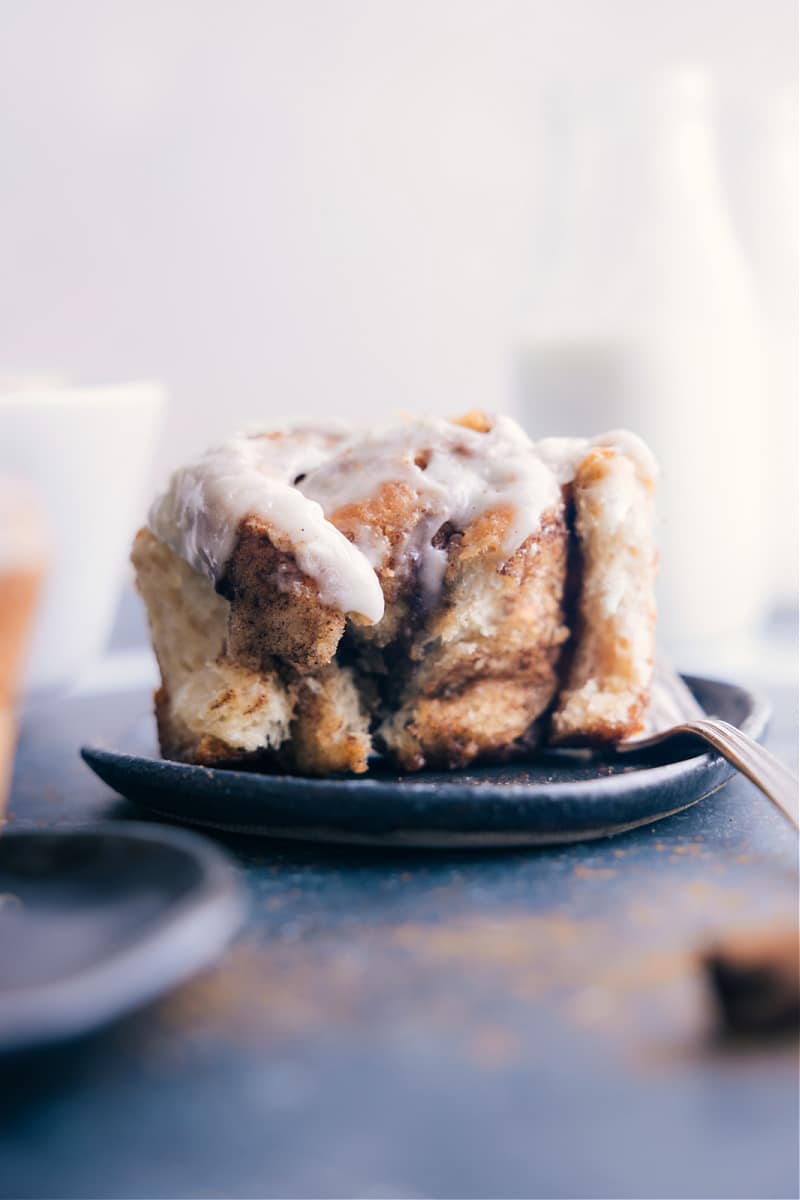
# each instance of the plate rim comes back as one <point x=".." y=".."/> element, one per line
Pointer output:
<point x="185" y="939"/>
<point x="754" y="724"/>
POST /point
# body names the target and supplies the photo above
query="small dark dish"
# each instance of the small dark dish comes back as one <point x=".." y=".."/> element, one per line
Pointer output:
<point x="554" y="798"/>
<point x="98" y="920"/>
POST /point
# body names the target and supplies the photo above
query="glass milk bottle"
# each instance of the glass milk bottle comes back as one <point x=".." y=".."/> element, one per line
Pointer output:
<point x="646" y="318"/>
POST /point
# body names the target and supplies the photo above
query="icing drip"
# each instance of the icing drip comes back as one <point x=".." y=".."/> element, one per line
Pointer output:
<point x="457" y="474"/>
<point x="199" y="515"/>
<point x="296" y="481"/>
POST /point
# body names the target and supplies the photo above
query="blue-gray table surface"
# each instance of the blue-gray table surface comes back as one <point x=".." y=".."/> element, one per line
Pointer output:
<point x="524" y="1024"/>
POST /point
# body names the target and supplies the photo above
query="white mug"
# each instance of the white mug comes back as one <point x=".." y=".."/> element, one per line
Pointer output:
<point x="86" y="451"/>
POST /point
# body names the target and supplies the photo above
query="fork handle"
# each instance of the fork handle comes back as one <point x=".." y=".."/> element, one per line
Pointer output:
<point x="763" y="769"/>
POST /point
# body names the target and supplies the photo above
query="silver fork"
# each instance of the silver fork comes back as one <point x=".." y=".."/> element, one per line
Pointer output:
<point x="674" y="710"/>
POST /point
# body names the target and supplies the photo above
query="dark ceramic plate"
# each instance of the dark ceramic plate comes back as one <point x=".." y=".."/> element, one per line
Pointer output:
<point x="554" y="798"/>
<point x="98" y="920"/>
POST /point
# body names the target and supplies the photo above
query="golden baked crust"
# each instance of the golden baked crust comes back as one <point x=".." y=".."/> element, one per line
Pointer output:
<point x="275" y="610"/>
<point x="482" y="669"/>
<point x="330" y="727"/>
<point x="607" y="687"/>
<point x="210" y="708"/>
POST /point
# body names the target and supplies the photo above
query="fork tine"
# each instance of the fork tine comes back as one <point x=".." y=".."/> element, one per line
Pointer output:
<point x="679" y="692"/>
<point x="671" y="701"/>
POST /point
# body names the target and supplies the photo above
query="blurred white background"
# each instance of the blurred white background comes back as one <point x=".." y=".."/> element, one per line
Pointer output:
<point x="349" y="207"/>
